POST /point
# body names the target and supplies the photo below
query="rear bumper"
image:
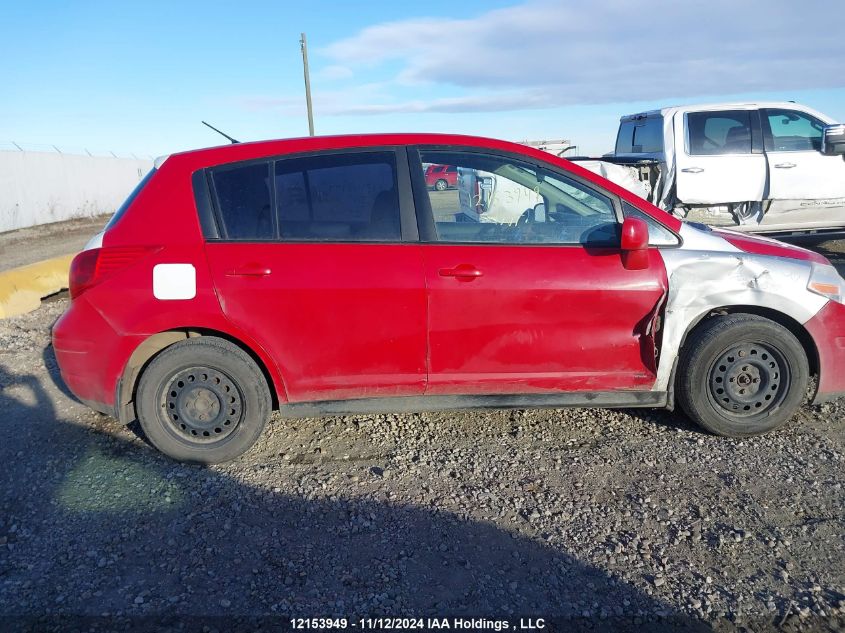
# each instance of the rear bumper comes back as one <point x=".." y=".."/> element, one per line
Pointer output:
<point x="87" y="352"/>
<point x="828" y="331"/>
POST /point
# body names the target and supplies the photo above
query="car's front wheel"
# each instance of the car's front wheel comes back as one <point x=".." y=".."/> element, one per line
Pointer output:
<point x="742" y="375"/>
<point x="441" y="185"/>
<point x="203" y="400"/>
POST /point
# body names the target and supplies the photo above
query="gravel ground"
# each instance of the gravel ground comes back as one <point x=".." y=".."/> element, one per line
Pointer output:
<point x="611" y="517"/>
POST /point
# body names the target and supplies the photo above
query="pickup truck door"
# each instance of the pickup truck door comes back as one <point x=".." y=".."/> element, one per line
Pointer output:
<point x="719" y="156"/>
<point x="806" y="187"/>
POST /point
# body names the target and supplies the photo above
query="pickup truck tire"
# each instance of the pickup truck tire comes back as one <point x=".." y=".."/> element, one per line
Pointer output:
<point x="742" y="375"/>
<point x="203" y="400"/>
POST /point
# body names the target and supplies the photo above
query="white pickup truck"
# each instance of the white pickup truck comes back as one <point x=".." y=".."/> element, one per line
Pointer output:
<point x="774" y="167"/>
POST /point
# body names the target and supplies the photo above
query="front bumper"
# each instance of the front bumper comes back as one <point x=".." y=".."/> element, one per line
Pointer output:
<point x="828" y="331"/>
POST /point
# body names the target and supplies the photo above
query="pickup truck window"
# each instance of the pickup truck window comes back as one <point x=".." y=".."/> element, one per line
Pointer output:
<point x="791" y="131"/>
<point x="642" y="136"/>
<point x="716" y="133"/>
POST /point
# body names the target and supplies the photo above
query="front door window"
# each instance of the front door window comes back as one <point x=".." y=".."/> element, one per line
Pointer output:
<point x="504" y="201"/>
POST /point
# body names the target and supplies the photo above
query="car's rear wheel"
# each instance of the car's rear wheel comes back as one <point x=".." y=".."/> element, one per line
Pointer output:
<point x="441" y="185"/>
<point x="203" y="400"/>
<point x="742" y="375"/>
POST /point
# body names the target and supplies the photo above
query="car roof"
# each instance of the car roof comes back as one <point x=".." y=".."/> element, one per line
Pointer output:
<point x="235" y="152"/>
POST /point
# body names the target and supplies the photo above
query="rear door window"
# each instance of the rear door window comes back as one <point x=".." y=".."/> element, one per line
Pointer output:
<point x="243" y="201"/>
<point x="338" y="197"/>
<point x="716" y="133"/>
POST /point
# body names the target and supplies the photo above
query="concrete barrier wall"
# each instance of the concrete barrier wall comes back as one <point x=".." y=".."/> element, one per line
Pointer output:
<point x="42" y="187"/>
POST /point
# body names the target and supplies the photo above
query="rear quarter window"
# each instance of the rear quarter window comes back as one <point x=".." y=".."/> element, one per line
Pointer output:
<point x="719" y="132"/>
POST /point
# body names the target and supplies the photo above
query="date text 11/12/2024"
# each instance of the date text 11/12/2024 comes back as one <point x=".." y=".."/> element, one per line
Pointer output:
<point x="421" y="624"/>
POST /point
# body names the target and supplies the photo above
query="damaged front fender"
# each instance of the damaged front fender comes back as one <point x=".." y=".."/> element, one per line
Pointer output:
<point x="708" y="274"/>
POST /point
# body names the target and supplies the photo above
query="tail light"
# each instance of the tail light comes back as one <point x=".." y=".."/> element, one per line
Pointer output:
<point x="94" y="265"/>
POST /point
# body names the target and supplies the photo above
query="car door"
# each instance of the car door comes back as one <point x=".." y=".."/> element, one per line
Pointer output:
<point x="318" y="264"/>
<point x="806" y="187"/>
<point x="533" y="297"/>
<point x="721" y="157"/>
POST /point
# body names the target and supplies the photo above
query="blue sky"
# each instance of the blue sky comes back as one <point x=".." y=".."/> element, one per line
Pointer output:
<point x="138" y="77"/>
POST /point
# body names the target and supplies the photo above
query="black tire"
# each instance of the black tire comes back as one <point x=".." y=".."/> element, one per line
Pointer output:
<point x="441" y="185"/>
<point x="741" y="375"/>
<point x="203" y="400"/>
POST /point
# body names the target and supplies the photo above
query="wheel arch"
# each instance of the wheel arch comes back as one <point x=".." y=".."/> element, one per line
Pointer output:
<point x="154" y="344"/>
<point x="784" y="320"/>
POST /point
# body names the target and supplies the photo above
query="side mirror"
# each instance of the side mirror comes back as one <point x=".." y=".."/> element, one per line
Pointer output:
<point x="634" y="244"/>
<point x="833" y="140"/>
<point x="540" y="212"/>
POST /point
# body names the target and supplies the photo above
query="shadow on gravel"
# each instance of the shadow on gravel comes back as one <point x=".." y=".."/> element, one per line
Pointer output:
<point x="92" y="525"/>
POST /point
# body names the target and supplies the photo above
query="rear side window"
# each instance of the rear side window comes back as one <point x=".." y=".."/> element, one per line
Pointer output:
<point x="716" y="133"/>
<point x="348" y="197"/>
<point x="643" y="136"/>
<point x="243" y="200"/>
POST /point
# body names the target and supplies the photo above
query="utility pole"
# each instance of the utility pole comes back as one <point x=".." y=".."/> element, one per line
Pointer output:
<point x="304" y="46"/>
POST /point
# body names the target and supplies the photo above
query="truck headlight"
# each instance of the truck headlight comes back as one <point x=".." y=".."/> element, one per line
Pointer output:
<point x="825" y="281"/>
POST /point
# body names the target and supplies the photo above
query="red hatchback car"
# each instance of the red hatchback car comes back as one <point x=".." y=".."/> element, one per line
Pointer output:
<point x="311" y="275"/>
<point x="441" y="177"/>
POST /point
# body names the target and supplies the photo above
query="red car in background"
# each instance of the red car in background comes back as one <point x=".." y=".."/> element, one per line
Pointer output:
<point x="441" y="177"/>
<point x="314" y="276"/>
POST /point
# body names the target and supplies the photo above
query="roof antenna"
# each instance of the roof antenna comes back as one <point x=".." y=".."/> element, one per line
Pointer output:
<point x="219" y="132"/>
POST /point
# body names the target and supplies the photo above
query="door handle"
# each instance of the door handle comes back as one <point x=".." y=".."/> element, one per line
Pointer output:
<point x="463" y="272"/>
<point x="249" y="271"/>
<point x="785" y="165"/>
<point x="692" y="170"/>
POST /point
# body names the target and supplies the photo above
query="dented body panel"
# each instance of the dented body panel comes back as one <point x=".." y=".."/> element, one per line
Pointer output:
<point x="709" y="273"/>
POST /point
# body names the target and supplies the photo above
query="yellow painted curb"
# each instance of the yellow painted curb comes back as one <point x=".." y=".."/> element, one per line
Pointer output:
<point x="21" y="289"/>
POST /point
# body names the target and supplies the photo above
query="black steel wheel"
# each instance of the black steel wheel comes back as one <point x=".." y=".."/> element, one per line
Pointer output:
<point x="749" y="378"/>
<point x="203" y="400"/>
<point x="202" y="404"/>
<point x="741" y="375"/>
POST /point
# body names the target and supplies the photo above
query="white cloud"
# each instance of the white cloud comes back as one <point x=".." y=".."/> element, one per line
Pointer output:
<point x="546" y="54"/>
